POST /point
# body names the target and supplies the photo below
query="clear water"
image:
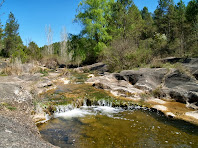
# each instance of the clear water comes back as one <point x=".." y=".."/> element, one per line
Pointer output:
<point x="104" y="127"/>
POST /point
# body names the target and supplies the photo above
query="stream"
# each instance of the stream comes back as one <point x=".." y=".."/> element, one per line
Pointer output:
<point x="104" y="124"/>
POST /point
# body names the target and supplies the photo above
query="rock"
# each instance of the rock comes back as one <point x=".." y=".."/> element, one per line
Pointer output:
<point x="46" y="83"/>
<point x="155" y="100"/>
<point x="62" y="66"/>
<point x="13" y="133"/>
<point x="193" y="114"/>
<point x="90" y="76"/>
<point x="11" y="93"/>
<point x="3" y="65"/>
<point x="145" y="78"/>
<point x="176" y="78"/>
<point x="171" y="60"/>
<point x="51" y="63"/>
<point x="169" y="114"/>
<point x="181" y="87"/>
<point x="160" y="108"/>
<point x="100" y="67"/>
<point x="118" y="88"/>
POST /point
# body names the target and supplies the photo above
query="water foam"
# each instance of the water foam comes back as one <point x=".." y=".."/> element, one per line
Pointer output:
<point x="77" y="112"/>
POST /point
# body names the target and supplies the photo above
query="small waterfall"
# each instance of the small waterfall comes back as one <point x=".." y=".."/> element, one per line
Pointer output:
<point x="64" y="108"/>
<point x="97" y="106"/>
<point x="85" y="102"/>
<point x="105" y="103"/>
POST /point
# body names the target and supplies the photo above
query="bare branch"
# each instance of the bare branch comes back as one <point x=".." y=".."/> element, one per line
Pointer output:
<point x="1" y="3"/>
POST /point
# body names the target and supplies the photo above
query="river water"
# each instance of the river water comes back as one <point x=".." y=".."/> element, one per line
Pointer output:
<point x="105" y="126"/>
<point x="99" y="125"/>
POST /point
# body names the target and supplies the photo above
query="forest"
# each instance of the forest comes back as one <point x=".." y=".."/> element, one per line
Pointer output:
<point x="115" y="32"/>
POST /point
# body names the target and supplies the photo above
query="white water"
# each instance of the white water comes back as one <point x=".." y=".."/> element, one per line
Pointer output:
<point x="85" y="110"/>
<point x="104" y="108"/>
<point x="77" y="112"/>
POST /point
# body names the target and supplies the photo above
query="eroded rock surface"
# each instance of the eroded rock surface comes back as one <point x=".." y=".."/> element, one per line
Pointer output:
<point x="145" y="78"/>
<point x="17" y="128"/>
<point x="14" y="133"/>
<point x="116" y="87"/>
<point x="168" y="83"/>
<point x="100" y="67"/>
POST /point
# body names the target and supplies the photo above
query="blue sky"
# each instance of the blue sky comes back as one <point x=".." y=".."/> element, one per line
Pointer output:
<point x="34" y="15"/>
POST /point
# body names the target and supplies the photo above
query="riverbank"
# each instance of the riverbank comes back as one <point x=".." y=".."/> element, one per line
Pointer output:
<point x="163" y="89"/>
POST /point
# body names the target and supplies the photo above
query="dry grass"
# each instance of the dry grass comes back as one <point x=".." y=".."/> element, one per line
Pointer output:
<point x="17" y="68"/>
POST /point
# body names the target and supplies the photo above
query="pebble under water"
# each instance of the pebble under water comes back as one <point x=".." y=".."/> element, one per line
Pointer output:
<point x="104" y="126"/>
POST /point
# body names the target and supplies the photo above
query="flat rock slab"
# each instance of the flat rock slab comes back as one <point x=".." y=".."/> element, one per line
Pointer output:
<point x="11" y="93"/>
<point x="117" y="87"/>
<point x="193" y="114"/>
<point x="16" y="135"/>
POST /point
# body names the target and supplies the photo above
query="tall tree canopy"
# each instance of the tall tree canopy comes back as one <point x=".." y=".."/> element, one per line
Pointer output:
<point x="11" y="38"/>
<point x="92" y="15"/>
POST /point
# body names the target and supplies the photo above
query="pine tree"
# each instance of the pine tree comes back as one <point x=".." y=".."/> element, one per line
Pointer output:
<point x="160" y="15"/>
<point x="119" y="21"/>
<point x="181" y="25"/>
<point x="12" y="38"/>
<point x="148" y="23"/>
<point x="192" y="20"/>
<point x="92" y="15"/>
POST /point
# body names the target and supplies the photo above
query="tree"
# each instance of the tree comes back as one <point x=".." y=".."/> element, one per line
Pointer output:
<point x="92" y="15"/>
<point x="64" y="53"/>
<point x="192" y="22"/>
<point x="11" y="36"/>
<point x="1" y="29"/>
<point x="134" y="25"/>
<point x="148" y="23"/>
<point x="160" y="13"/>
<point x="181" y="25"/>
<point x="1" y="37"/>
<point x="192" y="11"/>
<point x="49" y="35"/>
<point x="1" y="3"/>
<point x="118" y="21"/>
<point x="34" y="51"/>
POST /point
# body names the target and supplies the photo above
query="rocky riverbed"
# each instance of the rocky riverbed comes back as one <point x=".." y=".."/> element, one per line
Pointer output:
<point x="169" y="90"/>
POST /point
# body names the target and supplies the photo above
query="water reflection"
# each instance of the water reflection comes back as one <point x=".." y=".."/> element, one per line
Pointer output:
<point x="114" y="127"/>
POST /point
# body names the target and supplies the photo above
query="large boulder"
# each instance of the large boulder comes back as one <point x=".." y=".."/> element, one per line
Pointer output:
<point x="192" y="66"/>
<point x="100" y="67"/>
<point x="118" y="88"/>
<point x="18" y="134"/>
<point x="144" y="78"/>
<point x="14" y="93"/>
<point x="181" y="87"/>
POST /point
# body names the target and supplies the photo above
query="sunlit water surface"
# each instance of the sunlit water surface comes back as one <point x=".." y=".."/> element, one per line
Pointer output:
<point x="104" y="126"/>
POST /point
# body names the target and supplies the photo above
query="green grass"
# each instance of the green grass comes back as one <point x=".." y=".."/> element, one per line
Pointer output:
<point x="44" y="72"/>
<point x="3" y="74"/>
<point x="8" y="106"/>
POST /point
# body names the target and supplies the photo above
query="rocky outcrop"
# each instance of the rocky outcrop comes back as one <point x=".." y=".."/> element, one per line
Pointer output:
<point x="17" y="126"/>
<point x="15" y="132"/>
<point x="100" y="67"/>
<point x="145" y="78"/>
<point x="166" y="83"/>
<point x="116" y="87"/>
<point x="181" y="87"/>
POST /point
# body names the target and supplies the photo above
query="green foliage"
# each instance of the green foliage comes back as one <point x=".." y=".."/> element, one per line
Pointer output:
<point x="34" y="51"/>
<point x="122" y="55"/>
<point x="148" y="28"/>
<point x="11" y="36"/>
<point x="20" y="53"/>
<point x="82" y="49"/>
<point x="44" y="72"/>
<point x="192" y="11"/>
<point x="8" y="106"/>
<point x="92" y="15"/>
